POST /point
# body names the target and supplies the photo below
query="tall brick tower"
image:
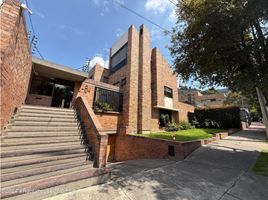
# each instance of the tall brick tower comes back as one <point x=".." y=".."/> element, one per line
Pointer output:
<point x="144" y="92"/>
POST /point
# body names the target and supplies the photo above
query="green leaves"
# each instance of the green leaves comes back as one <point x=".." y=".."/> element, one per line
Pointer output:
<point x="222" y="42"/>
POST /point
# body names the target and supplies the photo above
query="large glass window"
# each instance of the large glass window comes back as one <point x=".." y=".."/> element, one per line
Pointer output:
<point x="168" y="92"/>
<point x="119" y="59"/>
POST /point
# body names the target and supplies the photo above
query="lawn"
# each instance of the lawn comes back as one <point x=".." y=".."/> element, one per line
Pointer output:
<point x="261" y="165"/>
<point x="186" y="135"/>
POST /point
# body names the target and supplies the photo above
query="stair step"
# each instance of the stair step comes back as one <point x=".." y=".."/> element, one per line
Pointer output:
<point x="31" y="159"/>
<point x="12" y="153"/>
<point x="28" y="114"/>
<point x="34" y="146"/>
<point x="47" y="108"/>
<point x="71" y="113"/>
<point x="44" y="175"/>
<point x="29" y="143"/>
<point x="42" y="170"/>
<point x="51" y="182"/>
<point x="41" y="156"/>
<point x="45" y="119"/>
<point x="40" y="123"/>
<point x="32" y="166"/>
<point x="42" y="134"/>
<point x="39" y="129"/>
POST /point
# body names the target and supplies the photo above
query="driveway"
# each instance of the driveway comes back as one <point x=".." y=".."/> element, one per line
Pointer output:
<point x="218" y="171"/>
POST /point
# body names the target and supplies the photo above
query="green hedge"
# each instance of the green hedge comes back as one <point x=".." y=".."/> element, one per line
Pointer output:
<point x="225" y="117"/>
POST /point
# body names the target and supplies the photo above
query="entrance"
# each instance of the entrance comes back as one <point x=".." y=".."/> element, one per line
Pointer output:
<point x="62" y="96"/>
<point x="53" y="92"/>
<point x="165" y="117"/>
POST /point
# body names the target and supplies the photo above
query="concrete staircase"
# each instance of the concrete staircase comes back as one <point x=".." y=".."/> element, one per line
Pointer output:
<point x="44" y="152"/>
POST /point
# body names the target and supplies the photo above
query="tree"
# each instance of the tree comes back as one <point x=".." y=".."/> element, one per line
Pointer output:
<point x="222" y="42"/>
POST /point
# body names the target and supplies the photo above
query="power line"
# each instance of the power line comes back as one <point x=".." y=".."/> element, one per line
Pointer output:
<point x="141" y="16"/>
<point x="39" y="53"/>
<point x="172" y="2"/>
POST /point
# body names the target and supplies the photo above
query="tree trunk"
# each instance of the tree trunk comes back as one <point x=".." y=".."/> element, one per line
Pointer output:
<point x="264" y="108"/>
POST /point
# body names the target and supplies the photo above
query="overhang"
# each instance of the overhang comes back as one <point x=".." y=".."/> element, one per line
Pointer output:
<point x="166" y="108"/>
<point x="53" y="70"/>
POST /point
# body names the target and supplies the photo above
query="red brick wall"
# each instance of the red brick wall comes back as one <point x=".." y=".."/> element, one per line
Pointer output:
<point x="162" y="75"/>
<point x="184" y="109"/>
<point x="108" y="120"/>
<point x="144" y="83"/>
<point x="15" y="59"/>
<point x="95" y="133"/>
<point x="99" y="73"/>
<point x="129" y="147"/>
<point x="41" y="100"/>
<point x="130" y="89"/>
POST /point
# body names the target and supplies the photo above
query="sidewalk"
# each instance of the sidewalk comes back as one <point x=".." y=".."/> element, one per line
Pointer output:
<point x="220" y="170"/>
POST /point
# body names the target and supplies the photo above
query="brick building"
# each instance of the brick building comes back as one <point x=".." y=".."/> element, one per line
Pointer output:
<point x="129" y="97"/>
<point x="52" y="114"/>
<point x="196" y="98"/>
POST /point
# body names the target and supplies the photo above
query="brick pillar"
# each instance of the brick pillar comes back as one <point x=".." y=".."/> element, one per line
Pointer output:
<point x="144" y="95"/>
<point x="130" y="105"/>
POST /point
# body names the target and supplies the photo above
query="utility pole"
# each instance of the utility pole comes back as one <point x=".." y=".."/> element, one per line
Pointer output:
<point x="86" y="66"/>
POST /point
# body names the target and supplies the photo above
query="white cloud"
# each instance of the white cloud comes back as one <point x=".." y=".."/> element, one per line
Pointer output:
<point x="39" y="14"/>
<point x="98" y="59"/>
<point x="172" y="16"/>
<point x="71" y="29"/>
<point x="157" y="6"/>
<point x="160" y="6"/>
<point x="119" y="32"/>
<point x="105" y="5"/>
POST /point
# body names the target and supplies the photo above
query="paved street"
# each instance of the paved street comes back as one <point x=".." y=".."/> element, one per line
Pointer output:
<point x="221" y="170"/>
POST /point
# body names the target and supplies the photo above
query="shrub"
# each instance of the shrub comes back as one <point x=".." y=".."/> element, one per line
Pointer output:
<point x="102" y="106"/>
<point x="164" y="120"/>
<point x="172" y="127"/>
<point x="225" y="117"/>
<point x="183" y="125"/>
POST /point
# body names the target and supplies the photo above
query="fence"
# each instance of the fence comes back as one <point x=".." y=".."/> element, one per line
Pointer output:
<point x="107" y="100"/>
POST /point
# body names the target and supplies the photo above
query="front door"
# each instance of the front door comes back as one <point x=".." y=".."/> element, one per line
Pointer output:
<point x="62" y="96"/>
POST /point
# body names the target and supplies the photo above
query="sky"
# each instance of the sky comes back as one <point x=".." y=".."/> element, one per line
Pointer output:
<point x="68" y="32"/>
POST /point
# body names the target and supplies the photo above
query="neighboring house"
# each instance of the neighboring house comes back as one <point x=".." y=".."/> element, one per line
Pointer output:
<point x="210" y="100"/>
<point x="188" y="95"/>
<point x="196" y="98"/>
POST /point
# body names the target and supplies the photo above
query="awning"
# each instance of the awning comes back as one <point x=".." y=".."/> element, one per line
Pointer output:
<point x="52" y="70"/>
<point x="166" y="108"/>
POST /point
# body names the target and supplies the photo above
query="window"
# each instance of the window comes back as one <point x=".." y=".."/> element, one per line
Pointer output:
<point x="119" y="59"/>
<point x="168" y="92"/>
<point x="107" y="99"/>
<point x="212" y="100"/>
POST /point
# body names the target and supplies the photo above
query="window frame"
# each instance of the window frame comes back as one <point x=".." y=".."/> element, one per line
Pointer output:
<point x="167" y="93"/>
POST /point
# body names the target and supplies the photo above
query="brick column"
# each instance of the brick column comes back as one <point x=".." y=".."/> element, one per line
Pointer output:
<point x="130" y="105"/>
<point x="144" y="92"/>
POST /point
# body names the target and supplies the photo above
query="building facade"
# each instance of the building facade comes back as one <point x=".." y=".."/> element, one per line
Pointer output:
<point x="196" y="98"/>
<point x="129" y="97"/>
